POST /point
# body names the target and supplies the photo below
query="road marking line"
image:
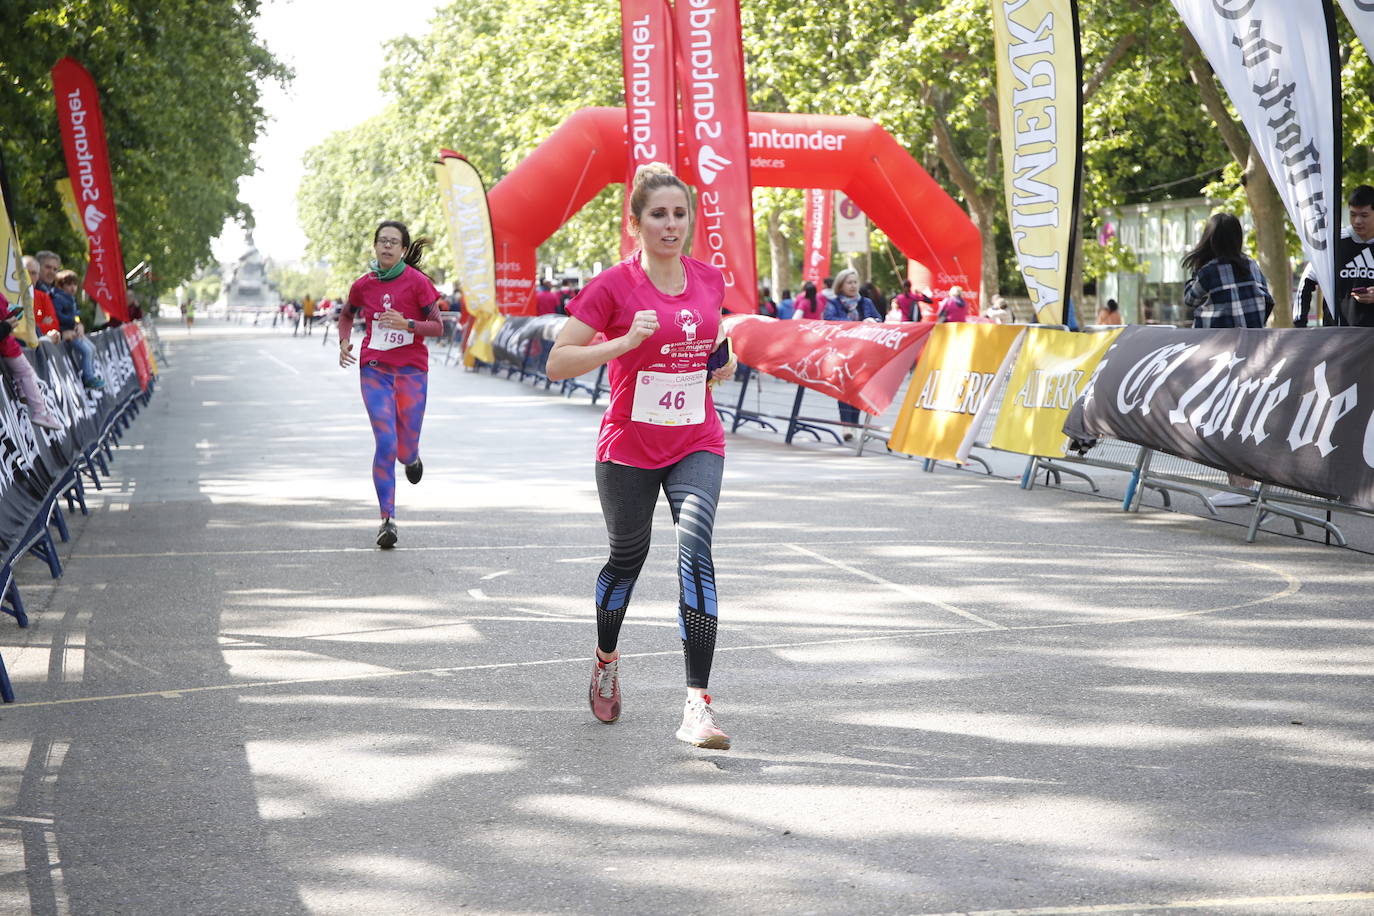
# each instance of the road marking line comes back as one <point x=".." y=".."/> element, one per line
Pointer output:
<point x="896" y="586"/>
<point x="1168" y="905"/>
<point x="282" y="363"/>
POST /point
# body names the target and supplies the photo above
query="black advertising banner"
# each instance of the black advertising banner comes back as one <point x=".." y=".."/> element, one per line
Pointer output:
<point x="1293" y="408"/>
<point x="33" y="461"/>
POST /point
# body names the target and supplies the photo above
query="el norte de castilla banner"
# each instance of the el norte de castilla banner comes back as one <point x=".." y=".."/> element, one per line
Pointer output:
<point x="1277" y="61"/>
<point x="1039" y="94"/>
<point x="1294" y="408"/>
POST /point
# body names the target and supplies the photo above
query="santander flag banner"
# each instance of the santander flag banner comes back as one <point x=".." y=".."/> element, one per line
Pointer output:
<point x="861" y="363"/>
<point x="819" y="209"/>
<point x="646" y="50"/>
<point x="1039" y="88"/>
<point x="88" y="163"/>
<point x="1277" y="61"/>
<point x="715" y="116"/>
<point x="1361" y="16"/>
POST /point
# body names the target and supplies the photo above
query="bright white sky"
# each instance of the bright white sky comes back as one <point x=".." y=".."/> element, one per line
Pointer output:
<point x="335" y="47"/>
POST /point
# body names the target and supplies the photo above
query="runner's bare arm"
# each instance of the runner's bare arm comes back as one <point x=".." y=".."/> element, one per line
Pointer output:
<point x="574" y="353"/>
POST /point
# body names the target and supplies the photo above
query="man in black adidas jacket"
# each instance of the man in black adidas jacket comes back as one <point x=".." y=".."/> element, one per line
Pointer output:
<point x="1355" y="273"/>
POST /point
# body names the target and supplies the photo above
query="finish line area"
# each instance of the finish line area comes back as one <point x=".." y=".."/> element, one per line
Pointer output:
<point x="946" y="694"/>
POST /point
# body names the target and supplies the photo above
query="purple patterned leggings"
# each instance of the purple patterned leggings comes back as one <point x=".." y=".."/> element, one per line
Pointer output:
<point x="395" y="401"/>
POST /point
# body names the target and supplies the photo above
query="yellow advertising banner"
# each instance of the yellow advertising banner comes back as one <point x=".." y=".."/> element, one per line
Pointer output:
<point x="470" y="234"/>
<point x="1051" y="371"/>
<point x="69" y="207"/>
<point x="951" y="387"/>
<point x="1039" y="92"/>
<point x="15" y="282"/>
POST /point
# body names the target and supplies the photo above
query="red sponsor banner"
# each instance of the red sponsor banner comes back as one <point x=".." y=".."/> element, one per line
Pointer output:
<point x="715" y="118"/>
<point x="646" y="50"/>
<point x="138" y="349"/>
<point x="819" y="212"/>
<point x="88" y="163"/>
<point x="859" y="362"/>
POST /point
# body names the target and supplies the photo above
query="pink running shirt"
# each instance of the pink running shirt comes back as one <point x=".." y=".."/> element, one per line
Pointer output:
<point x="686" y="335"/>
<point x="411" y="294"/>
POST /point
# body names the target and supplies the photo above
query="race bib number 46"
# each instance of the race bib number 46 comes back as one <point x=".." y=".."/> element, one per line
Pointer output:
<point x="670" y="398"/>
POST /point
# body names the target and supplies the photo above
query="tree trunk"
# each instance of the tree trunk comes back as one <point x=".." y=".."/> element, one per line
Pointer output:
<point x="981" y="205"/>
<point x="1271" y="238"/>
<point x="780" y="252"/>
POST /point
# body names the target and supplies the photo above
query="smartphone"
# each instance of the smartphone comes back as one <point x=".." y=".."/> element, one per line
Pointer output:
<point x="720" y="356"/>
<point x="1360" y="290"/>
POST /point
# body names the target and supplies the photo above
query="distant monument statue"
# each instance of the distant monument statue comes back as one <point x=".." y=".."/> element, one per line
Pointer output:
<point x="248" y="286"/>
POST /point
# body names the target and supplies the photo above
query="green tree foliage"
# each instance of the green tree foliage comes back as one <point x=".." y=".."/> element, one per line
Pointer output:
<point x="298" y="282"/>
<point x="179" y="88"/>
<point x="493" y="78"/>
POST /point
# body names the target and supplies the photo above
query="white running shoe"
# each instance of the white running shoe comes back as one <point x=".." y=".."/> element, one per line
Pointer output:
<point x="699" y="726"/>
<point x="1230" y="500"/>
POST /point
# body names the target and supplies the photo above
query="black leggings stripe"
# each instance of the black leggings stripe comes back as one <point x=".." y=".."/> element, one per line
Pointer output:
<point x="628" y="497"/>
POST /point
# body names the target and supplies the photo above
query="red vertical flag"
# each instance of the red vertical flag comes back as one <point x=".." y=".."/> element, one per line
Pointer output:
<point x="646" y="42"/>
<point x="88" y="163"/>
<point x="715" y="115"/>
<point x="820" y="208"/>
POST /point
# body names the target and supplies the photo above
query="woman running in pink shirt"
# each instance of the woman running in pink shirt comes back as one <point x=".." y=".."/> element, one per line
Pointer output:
<point x="660" y="313"/>
<point x="400" y="307"/>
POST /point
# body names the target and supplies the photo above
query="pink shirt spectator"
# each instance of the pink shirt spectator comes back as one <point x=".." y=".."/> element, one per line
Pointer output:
<point x="954" y="309"/>
<point x="546" y="302"/>
<point x="411" y="294"/>
<point x="687" y="328"/>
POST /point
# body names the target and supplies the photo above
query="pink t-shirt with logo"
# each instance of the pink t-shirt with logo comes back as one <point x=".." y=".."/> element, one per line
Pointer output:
<point x="686" y="335"/>
<point x="411" y="294"/>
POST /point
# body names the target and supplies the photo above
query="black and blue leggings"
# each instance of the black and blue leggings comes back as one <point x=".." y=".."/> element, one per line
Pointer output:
<point x="628" y="497"/>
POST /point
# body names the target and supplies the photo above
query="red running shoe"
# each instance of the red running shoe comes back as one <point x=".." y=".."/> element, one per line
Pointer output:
<point x="604" y="694"/>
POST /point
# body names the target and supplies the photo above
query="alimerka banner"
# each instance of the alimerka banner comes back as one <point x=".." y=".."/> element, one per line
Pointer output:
<point x="1290" y="407"/>
<point x="88" y="164"/>
<point x="648" y="62"/>
<point x="952" y="389"/>
<point x="470" y="236"/>
<point x="1277" y="61"/>
<point x="715" y="121"/>
<point x="860" y="363"/>
<point x="820" y="209"/>
<point x="1039" y="89"/>
<point x="1051" y="372"/>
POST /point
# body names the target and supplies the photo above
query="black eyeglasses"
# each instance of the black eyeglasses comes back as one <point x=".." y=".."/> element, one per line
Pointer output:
<point x="389" y="243"/>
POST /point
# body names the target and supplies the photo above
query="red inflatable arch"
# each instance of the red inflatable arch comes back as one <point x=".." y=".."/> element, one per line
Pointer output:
<point x="853" y="155"/>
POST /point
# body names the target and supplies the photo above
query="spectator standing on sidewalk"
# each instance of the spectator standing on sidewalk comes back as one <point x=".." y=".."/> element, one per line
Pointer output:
<point x="848" y="305"/>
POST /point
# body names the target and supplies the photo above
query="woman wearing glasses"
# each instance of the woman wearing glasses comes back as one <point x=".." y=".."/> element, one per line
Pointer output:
<point x="400" y="308"/>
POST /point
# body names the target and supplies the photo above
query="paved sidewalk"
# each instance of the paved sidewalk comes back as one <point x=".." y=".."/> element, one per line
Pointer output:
<point x="947" y="694"/>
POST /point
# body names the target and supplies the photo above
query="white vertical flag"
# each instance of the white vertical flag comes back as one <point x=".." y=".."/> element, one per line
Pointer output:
<point x="1361" y="16"/>
<point x="1277" y="61"/>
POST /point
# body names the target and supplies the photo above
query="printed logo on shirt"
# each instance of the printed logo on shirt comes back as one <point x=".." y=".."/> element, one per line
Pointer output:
<point x="688" y="320"/>
<point x="386" y="301"/>
<point x="1361" y="267"/>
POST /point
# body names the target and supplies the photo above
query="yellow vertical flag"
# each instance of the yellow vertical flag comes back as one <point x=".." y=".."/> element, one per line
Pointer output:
<point x="15" y="283"/>
<point x="1040" y="97"/>
<point x="69" y="207"/>
<point x="474" y="259"/>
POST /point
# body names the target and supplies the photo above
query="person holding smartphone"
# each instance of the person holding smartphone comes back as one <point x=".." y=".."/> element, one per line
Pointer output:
<point x="1354" y="274"/>
<point x="400" y="308"/>
<point x="660" y="313"/>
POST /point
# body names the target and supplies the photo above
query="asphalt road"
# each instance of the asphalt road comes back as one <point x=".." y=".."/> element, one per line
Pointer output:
<point x="947" y="695"/>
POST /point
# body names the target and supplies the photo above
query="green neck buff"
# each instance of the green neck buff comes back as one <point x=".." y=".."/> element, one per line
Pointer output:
<point x="385" y="275"/>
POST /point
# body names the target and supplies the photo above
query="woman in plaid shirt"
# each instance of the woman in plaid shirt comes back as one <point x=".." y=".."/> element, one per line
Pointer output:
<point x="1226" y="289"/>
